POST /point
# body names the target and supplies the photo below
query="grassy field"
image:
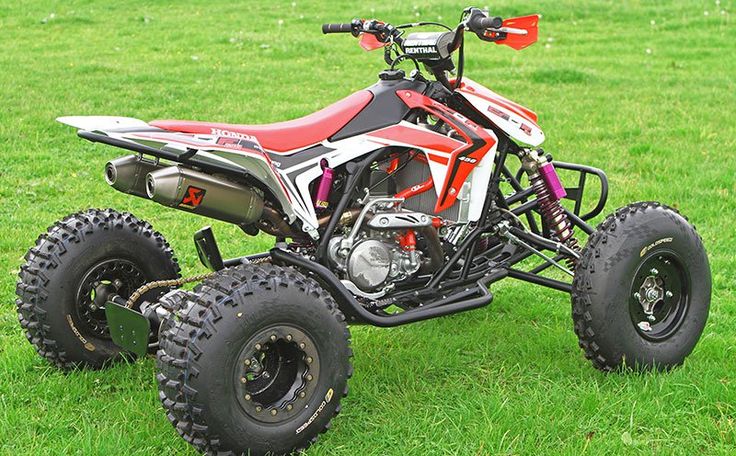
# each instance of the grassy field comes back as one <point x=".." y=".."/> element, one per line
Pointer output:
<point x="643" y="89"/>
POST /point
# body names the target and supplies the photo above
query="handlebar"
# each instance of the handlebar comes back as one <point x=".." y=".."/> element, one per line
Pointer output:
<point x="383" y="32"/>
<point x="337" y="28"/>
<point x="434" y="50"/>
<point x="476" y="21"/>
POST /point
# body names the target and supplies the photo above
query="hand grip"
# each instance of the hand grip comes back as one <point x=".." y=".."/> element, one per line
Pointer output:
<point x="337" y="28"/>
<point x="483" y="23"/>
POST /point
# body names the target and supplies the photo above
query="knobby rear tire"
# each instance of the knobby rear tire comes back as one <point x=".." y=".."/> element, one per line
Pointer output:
<point x="47" y="301"/>
<point x="199" y="346"/>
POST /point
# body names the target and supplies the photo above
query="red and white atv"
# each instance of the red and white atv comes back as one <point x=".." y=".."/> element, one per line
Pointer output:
<point x="397" y="204"/>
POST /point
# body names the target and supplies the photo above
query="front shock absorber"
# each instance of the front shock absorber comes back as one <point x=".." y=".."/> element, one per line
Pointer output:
<point x="549" y="190"/>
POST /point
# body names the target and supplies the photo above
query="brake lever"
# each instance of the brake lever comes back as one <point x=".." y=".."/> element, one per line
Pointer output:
<point x="508" y="31"/>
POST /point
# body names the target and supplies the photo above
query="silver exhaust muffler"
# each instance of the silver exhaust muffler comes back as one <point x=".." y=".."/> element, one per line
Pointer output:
<point x="128" y="174"/>
<point x="204" y="194"/>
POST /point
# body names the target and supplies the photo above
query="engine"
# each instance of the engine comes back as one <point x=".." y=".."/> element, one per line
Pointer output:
<point x="385" y="245"/>
<point x="396" y="236"/>
<point x="376" y="259"/>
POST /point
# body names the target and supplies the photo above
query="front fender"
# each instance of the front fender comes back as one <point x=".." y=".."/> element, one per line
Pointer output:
<point x="515" y="120"/>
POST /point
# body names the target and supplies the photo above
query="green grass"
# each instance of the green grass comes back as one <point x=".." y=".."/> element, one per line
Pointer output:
<point x="642" y="89"/>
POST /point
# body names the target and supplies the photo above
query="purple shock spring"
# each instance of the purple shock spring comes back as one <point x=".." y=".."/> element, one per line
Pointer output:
<point x="552" y="180"/>
<point x="323" y="189"/>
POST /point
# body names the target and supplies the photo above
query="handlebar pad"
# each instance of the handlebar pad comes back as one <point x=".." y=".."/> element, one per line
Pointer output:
<point x="337" y="28"/>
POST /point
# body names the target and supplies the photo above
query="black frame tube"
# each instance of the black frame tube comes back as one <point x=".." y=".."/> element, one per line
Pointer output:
<point x="539" y="280"/>
<point x="358" y="314"/>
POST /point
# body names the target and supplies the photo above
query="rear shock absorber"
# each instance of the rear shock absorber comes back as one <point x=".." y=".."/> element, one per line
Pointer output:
<point x="549" y="190"/>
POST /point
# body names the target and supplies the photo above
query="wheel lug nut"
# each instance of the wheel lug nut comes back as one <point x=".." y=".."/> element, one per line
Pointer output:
<point x="309" y="377"/>
<point x="654" y="271"/>
<point x="644" y="326"/>
<point x="302" y="394"/>
<point x="274" y="412"/>
<point x="247" y="397"/>
<point x="302" y="345"/>
<point x="668" y="294"/>
<point x="309" y="360"/>
<point x="258" y="346"/>
<point x="247" y="362"/>
<point x="258" y="408"/>
<point x="288" y="337"/>
<point x="637" y="295"/>
<point x="243" y="379"/>
<point x="273" y="337"/>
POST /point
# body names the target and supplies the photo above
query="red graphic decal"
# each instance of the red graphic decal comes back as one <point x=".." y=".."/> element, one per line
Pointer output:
<point x="420" y="138"/>
<point x="193" y="196"/>
<point x="239" y="144"/>
<point x="498" y="112"/>
<point x="438" y="158"/>
<point x="462" y="160"/>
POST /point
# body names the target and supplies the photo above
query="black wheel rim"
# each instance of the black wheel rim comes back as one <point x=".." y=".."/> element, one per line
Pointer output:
<point x="660" y="295"/>
<point x="276" y="373"/>
<point x="113" y="276"/>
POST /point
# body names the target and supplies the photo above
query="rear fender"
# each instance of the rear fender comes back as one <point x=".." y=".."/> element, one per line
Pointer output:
<point x="97" y="123"/>
<point x="238" y="152"/>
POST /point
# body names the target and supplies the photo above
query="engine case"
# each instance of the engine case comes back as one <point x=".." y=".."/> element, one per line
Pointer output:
<point x="375" y="260"/>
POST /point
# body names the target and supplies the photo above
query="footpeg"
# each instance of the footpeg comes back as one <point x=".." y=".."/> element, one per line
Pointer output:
<point x="209" y="253"/>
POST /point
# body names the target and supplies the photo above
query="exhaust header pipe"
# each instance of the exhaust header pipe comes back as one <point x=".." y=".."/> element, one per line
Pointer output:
<point x="204" y="194"/>
<point x="128" y="174"/>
